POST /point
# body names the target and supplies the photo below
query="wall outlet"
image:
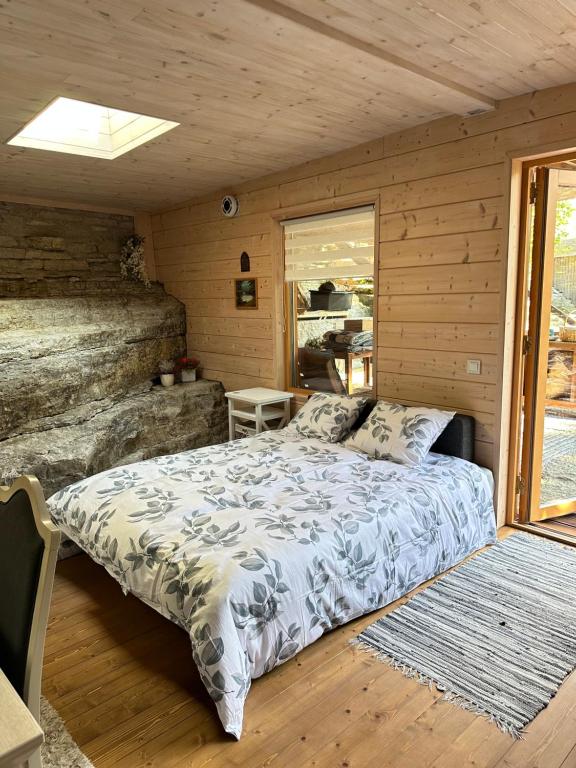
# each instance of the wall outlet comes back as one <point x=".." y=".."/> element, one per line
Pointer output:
<point x="474" y="367"/>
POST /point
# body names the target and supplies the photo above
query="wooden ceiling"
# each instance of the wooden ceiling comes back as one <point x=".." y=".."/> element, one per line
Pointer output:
<point x="258" y="85"/>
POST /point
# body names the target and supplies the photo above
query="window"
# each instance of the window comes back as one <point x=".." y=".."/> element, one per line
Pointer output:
<point x="80" y="128"/>
<point x="329" y="273"/>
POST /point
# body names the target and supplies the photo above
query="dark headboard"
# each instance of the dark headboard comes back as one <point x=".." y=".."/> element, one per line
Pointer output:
<point x="456" y="440"/>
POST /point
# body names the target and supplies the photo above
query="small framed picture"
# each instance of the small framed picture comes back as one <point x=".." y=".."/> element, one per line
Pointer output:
<point x="247" y="294"/>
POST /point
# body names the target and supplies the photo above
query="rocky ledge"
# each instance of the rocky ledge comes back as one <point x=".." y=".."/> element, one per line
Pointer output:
<point x="163" y="420"/>
<point x="76" y="394"/>
<point x="58" y="354"/>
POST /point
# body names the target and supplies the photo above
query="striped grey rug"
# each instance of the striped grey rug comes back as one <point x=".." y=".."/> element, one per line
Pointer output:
<point x="498" y="634"/>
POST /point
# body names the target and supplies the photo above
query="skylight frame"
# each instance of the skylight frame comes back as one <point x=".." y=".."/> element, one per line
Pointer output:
<point x="136" y="129"/>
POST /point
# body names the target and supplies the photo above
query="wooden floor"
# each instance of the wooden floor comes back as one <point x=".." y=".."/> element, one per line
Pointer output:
<point x="122" y="678"/>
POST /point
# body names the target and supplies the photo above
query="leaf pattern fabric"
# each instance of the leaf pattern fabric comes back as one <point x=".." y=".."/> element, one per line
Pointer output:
<point x="399" y="433"/>
<point x="327" y="416"/>
<point x="259" y="546"/>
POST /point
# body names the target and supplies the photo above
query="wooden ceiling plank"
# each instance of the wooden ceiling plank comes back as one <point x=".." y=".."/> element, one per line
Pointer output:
<point x="548" y="23"/>
<point x="452" y="30"/>
<point x="398" y="32"/>
<point x="277" y="8"/>
<point x="96" y="68"/>
<point x="419" y="86"/>
<point x="257" y="94"/>
<point x="251" y="45"/>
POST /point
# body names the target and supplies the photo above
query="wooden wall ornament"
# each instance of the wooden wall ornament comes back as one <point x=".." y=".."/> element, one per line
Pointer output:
<point x="244" y="262"/>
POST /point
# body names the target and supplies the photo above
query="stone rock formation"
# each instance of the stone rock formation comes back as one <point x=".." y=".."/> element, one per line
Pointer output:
<point x="76" y="392"/>
<point x="159" y="421"/>
<point x="60" y="252"/>
<point x="79" y="353"/>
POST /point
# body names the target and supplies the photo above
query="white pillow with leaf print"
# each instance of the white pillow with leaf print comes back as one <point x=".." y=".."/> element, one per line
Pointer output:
<point x="327" y="416"/>
<point x="399" y="433"/>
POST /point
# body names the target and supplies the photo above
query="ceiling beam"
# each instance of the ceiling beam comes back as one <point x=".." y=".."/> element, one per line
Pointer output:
<point x="67" y="204"/>
<point x="320" y="27"/>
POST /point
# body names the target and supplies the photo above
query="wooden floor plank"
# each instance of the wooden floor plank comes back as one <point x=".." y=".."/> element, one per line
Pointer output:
<point x="362" y="736"/>
<point x="123" y="680"/>
<point x="477" y="746"/>
<point x="570" y="761"/>
<point x="551" y="736"/>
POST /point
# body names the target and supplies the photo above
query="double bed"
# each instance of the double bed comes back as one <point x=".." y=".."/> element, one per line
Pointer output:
<point x="259" y="546"/>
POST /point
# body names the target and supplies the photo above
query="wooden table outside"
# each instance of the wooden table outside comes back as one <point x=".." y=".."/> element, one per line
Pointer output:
<point x="348" y="356"/>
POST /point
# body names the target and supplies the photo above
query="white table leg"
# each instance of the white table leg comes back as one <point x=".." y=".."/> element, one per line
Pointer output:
<point x="259" y="421"/>
<point x="286" y="418"/>
<point x="231" y="420"/>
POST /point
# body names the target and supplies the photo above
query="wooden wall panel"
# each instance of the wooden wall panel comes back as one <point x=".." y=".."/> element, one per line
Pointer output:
<point x="461" y="337"/>
<point x="206" y="252"/>
<point x="215" y="307"/>
<point x="440" y="308"/>
<point x="473" y="184"/>
<point x="236" y="364"/>
<point x="442" y="249"/>
<point x="234" y="380"/>
<point x="230" y="345"/>
<point x="442" y="190"/>
<point x="231" y="327"/>
<point x="448" y="219"/>
<point x="217" y="269"/>
<point x="460" y="395"/>
<point x="218" y="288"/>
<point x="222" y="229"/>
<point x="453" y="278"/>
<point x="437" y="363"/>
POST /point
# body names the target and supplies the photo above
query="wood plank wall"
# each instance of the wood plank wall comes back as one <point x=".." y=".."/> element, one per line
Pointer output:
<point x="443" y="189"/>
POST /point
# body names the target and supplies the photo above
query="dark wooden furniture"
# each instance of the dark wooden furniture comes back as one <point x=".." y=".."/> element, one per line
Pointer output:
<point x="28" y="552"/>
<point x="317" y="371"/>
<point x="348" y="356"/>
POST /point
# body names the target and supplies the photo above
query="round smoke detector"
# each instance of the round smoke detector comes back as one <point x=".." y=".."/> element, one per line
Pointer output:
<point x="229" y="205"/>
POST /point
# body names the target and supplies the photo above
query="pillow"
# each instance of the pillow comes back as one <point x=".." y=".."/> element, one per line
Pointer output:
<point x="399" y="433"/>
<point x="327" y="416"/>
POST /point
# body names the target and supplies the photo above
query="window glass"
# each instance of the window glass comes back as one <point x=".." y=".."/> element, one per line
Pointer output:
<point x="329" y="261"/>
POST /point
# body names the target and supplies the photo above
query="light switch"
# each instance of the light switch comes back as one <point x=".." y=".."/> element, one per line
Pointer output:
<point x="474" y="367"/>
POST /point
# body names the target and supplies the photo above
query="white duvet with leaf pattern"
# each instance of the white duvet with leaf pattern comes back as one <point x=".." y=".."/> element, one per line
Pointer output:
<point x="259" y="546"/>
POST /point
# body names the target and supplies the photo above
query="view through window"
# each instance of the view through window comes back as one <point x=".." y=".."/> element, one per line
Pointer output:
<point x="329" y="262"/>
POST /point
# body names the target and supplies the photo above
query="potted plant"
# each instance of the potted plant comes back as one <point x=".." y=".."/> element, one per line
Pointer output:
<point x="188" y="367"/>
<point x="318" y="342"/>
<point x="133" y="260"/>
<point x="328" y="298"/>
<point x="166" y="368"/>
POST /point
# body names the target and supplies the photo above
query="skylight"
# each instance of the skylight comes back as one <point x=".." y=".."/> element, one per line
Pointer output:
<point x="81" y="128"/>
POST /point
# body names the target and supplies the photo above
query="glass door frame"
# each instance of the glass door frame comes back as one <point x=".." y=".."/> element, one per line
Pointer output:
<point x="539" y="189"/>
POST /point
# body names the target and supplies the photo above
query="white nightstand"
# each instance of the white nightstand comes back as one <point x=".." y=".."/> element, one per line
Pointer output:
<point x="251" y="411"/>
